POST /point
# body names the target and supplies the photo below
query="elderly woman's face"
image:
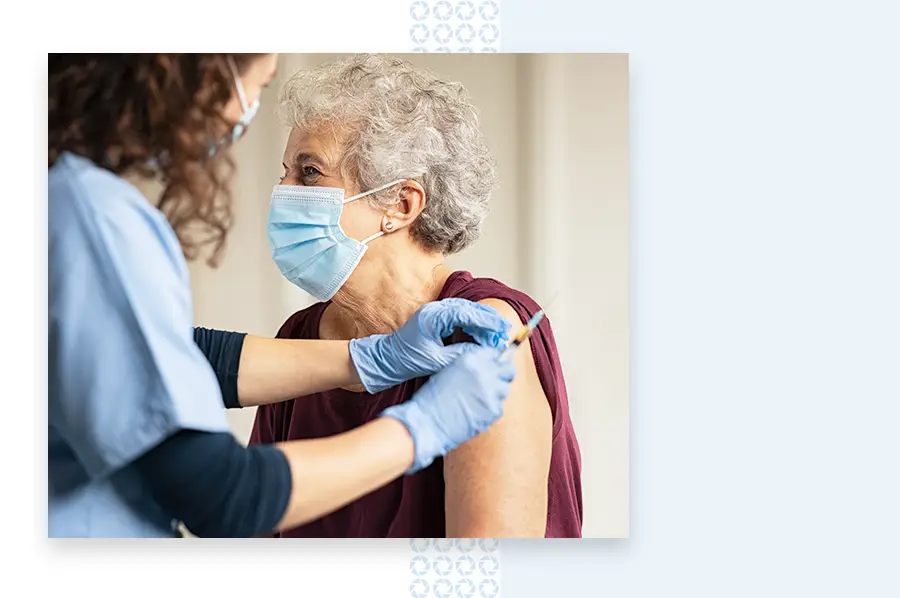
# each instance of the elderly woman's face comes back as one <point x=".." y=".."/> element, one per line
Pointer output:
<point x="311" y="160"/>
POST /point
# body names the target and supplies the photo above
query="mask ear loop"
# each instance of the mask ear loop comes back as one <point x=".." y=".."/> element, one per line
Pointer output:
<point x="238" y="84"/>
<point x="375" y="190"/>
<point x="375" y="236"/>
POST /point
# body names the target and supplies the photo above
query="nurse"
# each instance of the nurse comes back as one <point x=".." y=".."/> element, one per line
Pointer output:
<point x="137" y="437"/>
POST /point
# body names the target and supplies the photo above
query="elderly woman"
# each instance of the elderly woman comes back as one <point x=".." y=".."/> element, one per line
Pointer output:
<point x="386" y="173"/>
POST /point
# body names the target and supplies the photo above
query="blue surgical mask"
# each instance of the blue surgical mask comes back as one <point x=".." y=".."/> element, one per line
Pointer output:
<point x="306" y="239"/>
<point x="239" y="128"/>
<point x="249" y="112"/>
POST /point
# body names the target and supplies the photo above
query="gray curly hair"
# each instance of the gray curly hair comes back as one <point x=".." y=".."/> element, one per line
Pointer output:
<point x="399" y="121"/>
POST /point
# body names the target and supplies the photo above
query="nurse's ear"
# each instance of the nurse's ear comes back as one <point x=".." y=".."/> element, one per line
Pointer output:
<point x="410" y="204"/>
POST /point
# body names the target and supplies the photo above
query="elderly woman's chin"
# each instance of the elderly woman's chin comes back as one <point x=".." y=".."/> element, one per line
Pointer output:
<point x="406" y="148"/>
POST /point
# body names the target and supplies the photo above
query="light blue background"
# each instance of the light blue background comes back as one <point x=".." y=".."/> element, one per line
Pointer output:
<point x="765" y="198"/>
<point x="765" y="205"/>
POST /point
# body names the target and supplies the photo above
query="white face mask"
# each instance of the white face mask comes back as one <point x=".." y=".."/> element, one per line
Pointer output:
<point x="306" y="239"/>
<point x="249" y="111"/>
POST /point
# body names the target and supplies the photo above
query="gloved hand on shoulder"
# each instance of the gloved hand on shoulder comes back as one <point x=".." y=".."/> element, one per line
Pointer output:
<point x="456" y="404"/>
<point x="416" y="349"/>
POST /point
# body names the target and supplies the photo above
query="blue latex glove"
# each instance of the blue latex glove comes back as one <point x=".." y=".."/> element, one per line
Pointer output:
<point x="416" y="349"/>
<point x="456" y="404"/>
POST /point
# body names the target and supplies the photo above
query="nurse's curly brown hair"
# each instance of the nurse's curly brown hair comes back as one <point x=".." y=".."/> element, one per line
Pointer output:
<point x="149" y="115"/>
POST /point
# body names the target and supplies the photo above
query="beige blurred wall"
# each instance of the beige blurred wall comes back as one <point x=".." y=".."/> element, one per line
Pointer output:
<point x="558" y="127"/>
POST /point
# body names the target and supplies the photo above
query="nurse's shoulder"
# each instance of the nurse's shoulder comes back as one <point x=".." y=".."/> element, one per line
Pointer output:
<point x="124" y="371"/>
<point x="91" y="208"/>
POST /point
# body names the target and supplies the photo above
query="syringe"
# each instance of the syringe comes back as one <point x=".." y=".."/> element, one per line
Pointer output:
<point x="523" y="334"/>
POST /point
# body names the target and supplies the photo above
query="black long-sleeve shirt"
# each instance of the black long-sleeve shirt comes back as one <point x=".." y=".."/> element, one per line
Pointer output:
<point x="223" y="351"/>
<point x="217" y="487"/>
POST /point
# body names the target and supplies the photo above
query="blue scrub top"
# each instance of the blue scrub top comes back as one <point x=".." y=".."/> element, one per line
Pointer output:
<point x="124" y="371"/>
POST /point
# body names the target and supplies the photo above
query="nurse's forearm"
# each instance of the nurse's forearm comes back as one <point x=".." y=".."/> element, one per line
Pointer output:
<point x="328" y="473"/>
<point x="219" y="488"/>
<point x="253" y="370"/>
<point x="274" y="370"/>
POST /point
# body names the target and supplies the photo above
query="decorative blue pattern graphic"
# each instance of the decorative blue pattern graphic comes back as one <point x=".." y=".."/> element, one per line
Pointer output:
<point x="448" y="568"/>
<point x="454" y="25"/>
<point x="442" y="567"/>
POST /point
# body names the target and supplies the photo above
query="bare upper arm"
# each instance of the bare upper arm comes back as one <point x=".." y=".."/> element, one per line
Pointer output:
<point x="496" y="484"/>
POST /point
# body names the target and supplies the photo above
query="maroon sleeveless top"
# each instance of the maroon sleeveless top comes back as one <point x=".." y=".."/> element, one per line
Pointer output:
<point x="412" y="506"/>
